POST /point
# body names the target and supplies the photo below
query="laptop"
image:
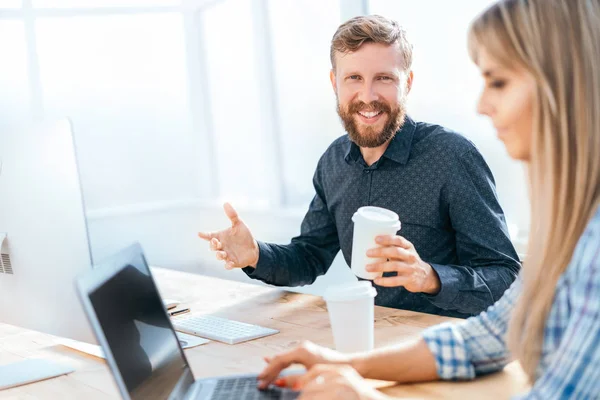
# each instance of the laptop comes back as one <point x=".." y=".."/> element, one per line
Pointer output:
<point x="128" y="317"/>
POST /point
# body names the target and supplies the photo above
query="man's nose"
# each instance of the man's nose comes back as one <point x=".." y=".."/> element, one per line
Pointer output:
<point x="367" y="94"/>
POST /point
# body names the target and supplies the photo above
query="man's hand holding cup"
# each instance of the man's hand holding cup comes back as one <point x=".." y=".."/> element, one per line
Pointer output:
<point x="396" y="254"/>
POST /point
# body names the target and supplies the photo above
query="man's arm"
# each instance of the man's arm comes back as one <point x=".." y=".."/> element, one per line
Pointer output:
<point x="308" y="256"/>
<point x="488" y="263"/>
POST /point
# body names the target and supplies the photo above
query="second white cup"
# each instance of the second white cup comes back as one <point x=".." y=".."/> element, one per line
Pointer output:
<point x="351" y="310"/>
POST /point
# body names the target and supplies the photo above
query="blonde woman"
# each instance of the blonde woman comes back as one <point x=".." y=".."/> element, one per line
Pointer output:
<point x="540" y="60"/>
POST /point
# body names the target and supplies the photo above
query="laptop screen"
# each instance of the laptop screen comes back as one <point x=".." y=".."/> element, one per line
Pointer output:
<point x="138" y="331"/>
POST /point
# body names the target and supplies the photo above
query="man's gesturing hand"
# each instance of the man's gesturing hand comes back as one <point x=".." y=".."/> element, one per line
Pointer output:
<point x="234" y="245"/>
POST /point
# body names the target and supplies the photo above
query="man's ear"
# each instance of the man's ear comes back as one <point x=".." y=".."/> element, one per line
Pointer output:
<point x="409" y="81"/>
<point x="332" y="79"/>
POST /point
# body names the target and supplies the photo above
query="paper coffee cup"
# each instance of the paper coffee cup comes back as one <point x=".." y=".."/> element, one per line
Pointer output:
<point x="351" y="310"/>
<point x="370" y="222"/>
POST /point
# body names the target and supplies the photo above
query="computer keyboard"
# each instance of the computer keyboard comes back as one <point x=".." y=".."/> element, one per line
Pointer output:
<point x="245" y="388"/>
<point x="220" y="329"/>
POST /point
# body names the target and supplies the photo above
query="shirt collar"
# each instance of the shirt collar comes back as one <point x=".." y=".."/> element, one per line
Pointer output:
<point x="398" y="149"/>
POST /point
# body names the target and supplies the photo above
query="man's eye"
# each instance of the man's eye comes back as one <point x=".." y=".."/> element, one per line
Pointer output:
<point x="354" y="77"/>
<point x="498" y="84"/>
<point x="384" y="78"/>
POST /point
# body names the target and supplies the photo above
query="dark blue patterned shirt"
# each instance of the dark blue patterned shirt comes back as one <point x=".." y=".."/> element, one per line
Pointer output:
<point x="443" y="191"/>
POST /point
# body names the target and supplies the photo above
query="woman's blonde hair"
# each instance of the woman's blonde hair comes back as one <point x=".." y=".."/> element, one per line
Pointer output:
<point x="558" y="43"/>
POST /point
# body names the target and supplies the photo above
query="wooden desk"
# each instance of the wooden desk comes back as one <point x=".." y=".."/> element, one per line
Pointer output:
<point x="297" y="316"/>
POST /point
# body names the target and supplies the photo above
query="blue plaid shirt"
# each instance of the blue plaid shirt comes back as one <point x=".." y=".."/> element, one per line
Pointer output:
<point x="570" y="362"/>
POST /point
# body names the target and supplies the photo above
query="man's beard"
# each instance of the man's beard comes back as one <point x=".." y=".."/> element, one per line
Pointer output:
<point x="368" y="137"/>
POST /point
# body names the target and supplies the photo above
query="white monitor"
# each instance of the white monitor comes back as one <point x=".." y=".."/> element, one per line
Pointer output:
<point x="43" y="231"/>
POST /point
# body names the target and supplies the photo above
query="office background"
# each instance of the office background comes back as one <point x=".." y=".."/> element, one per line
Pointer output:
<point x="179" y="105"/>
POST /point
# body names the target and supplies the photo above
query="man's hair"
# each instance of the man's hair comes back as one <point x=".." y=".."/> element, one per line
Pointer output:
<point x="352" y="34"/>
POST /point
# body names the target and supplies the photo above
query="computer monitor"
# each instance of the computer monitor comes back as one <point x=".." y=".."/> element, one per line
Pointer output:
<point x="43" y="233"/>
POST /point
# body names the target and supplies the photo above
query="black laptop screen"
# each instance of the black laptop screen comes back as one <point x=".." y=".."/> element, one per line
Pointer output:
<point x="144" y="346"/>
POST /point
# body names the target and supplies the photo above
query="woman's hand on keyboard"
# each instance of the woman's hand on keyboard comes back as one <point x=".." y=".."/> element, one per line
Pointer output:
<point x="331" y="382"/>
<point x="308" y="354"/>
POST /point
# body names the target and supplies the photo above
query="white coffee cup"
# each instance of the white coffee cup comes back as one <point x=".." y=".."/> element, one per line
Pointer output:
<point x="351" y="308"/>
<point x="370" y="222"/>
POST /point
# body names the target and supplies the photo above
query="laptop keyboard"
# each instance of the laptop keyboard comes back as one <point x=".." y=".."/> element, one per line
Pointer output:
<point x="245" y="389"/>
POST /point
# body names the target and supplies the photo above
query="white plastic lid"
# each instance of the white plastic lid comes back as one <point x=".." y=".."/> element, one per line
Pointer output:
<point x="350" y="291"/>
<point x="376" y="215"/>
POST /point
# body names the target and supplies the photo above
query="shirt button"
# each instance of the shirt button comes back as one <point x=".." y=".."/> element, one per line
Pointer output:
<point x="367" y="171"/>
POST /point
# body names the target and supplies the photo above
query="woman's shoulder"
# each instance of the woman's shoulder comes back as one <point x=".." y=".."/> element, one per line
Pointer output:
<point x="585" y="262"/>
<point x="591" y="235"/>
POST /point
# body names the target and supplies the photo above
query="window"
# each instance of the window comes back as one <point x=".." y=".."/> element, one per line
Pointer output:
<point x="14" y="96"/>
<point x="245" y="168"/>
<point x="10" y="4"/>
<point x="123" y="80"/>
<point x="209" y="96"/>
<point x="301" y="34"/>
<point x="102" y="3"/>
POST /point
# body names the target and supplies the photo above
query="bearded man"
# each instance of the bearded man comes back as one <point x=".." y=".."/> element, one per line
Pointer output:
<point x="454" y="256"/>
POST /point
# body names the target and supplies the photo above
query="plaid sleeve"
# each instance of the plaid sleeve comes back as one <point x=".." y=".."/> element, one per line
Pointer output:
<point x="476" y="346"/>
<point x="573" y="371"/>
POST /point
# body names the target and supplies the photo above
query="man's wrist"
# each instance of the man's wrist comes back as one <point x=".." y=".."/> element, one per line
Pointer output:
<point x="433" y="285"/>
<point x="256" y="256"/>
